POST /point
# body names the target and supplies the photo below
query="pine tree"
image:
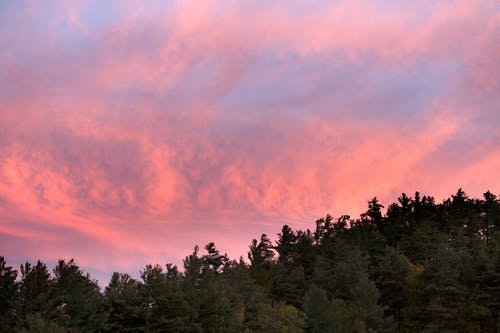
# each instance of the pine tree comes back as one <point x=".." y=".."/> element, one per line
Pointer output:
<point x="79" y="299"/>
<point x="36" y="293"/>
<point x="8" y="288"/>
<point x="123" y="298"/>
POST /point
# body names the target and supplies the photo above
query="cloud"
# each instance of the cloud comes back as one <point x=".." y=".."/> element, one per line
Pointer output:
<point x="130" y="133"/>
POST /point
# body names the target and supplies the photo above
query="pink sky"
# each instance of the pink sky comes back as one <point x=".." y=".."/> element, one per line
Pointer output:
<point x="131" y="132"/>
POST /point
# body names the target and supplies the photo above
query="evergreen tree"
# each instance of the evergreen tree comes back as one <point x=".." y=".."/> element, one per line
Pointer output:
<point x="319" y="311"/>
<point x="36" y="294"/>
<point x="35" y="323"/>
<point x="286" y="245"/>
<point x="261" y="257"/>
<point x="123" y="298"/>
<point x="8" y="288"/>
<point x="421" y="267"/>
<point x="213" y="259"/>
<point x="261" y="253"/>
<point x="79" y="299"/>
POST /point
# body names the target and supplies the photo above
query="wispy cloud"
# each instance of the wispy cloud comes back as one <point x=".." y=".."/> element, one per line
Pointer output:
<point x="131" y="132"/>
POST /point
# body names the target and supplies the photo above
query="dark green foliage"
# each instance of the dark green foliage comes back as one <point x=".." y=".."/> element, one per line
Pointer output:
<point x="261" y="254"/>
<point x="8" y="287"/>
<point x="420" y="267"/>
<point x="374" y="214"/>
<point x="288" y="284"/>
<point x="78" y="298"/>
<point x="165" y="304"/>
<point x="261" y="259"/>
<point x="216" y="312"/>
<point x="280" y="318"/>
<point x="213" y="259"/>
<point x="319" y="311"/>
<point x="125" y="304"/>
<point x="35" y="323"/>
<point x="286" y="245"/>
<point x="306" y="254"/>
<point x="365" y="297"/>
<point x="37" y="295"/>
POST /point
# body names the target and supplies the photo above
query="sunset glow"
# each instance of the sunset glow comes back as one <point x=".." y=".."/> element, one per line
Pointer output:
<point x="131" y="131"/>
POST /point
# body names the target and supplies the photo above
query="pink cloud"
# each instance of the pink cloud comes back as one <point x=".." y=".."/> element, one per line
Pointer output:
<point x="164" y="129"/>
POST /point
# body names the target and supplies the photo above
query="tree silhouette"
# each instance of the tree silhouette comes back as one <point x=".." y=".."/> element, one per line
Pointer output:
<point x="421" y="266"/>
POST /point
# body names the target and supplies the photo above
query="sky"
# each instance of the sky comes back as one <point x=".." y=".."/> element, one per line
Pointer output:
<point x="132" y="130"/>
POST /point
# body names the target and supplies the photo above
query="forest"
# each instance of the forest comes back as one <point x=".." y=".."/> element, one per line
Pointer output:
<point x="413" y="266"/>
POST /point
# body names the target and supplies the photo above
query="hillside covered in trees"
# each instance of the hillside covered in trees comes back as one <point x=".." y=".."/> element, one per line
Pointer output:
<point x="417" y="266"/>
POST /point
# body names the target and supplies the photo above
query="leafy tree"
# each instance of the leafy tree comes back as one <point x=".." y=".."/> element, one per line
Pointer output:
<point x="343" y="315"/>
<point x="280" y="318"/>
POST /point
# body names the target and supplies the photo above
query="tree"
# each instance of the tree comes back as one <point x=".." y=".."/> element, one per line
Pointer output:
<point x="261" y="253"/>
<point x="489" y="216"/>
<point x="36" y="293"/>
<point x="280" y="318"/>
<point x="8" y="288"/>
<point x="217" y="313"/>
<point x="124" y="302"/>
<point x="365" y="296"/>
<point x="79" y="299"/>
<point x="306" y="253"/>
<point x="421" y="267"/>
<point x="244" y="293"/>
<point x="288" y="284"/>
<point x="399" y="221"/>
<point x="324" y="228"/>
<point x="286" y="245"/>
<point x="166" y="305"/>
<point x="37" y="324"/>
<point x="261" y="257"/>
<point x="319" y="311"/>
<point x="213" y="259"/>
<point x="374" y="214"/>
<point x="193" y="265"/>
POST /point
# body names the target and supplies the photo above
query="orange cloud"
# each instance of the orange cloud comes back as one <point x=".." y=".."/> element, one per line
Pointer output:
<point x="127" y="141"/>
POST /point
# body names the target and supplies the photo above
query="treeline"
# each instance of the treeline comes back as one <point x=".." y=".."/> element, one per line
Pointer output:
<point x="420" y="267"/>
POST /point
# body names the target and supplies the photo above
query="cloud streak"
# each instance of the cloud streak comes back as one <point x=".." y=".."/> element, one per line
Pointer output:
<point x="129" y="133"/>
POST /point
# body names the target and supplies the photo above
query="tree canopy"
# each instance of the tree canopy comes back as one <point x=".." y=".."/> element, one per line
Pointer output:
<point x="419" y="267"/>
